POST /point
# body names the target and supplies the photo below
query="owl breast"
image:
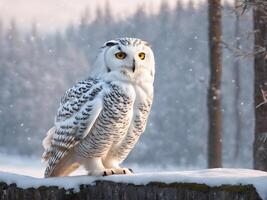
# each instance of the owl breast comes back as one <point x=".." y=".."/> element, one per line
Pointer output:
<point x="112" y="124"/>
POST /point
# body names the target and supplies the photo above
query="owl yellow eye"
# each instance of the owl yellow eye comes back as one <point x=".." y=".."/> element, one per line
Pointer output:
<point x="120" y="55"/>
<point x="142" y="55"/>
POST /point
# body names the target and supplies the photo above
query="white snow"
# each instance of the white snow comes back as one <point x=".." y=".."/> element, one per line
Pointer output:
<point x="21" y="165"/>
<point x="32" y="166"/>
<point x="212" y="177"/>
<point x="28" y="172"/>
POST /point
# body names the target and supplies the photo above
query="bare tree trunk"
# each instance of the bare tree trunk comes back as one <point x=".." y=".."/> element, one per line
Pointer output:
<point x="238" y="135"/>
<point x="260" y="88"/>
<point x="214" y="94"/>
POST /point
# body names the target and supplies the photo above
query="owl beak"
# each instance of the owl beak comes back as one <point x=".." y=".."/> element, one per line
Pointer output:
<point x="133" y="65"/>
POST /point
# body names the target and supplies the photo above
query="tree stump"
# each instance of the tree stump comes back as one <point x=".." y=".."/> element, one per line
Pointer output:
<point x="108" y="190"/>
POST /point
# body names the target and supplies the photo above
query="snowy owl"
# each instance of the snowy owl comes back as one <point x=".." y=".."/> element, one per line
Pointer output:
<point x="101" y="118"/>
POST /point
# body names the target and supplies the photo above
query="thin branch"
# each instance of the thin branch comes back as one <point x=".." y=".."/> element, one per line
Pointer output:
<point x="264" y="96"/>
<point x="258" y="50"/>
<point x="246" y="4"/>
<point x="262" y="103"/>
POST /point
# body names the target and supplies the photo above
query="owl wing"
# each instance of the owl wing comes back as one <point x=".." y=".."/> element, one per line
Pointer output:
<point x="78" y="111"/>
<point x="137" y="127"/>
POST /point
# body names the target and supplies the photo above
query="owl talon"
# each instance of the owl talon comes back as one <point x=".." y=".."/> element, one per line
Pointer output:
<point x="131" y="170"/>
<point x="105" y="173"/>
<point x="111" y="171"/>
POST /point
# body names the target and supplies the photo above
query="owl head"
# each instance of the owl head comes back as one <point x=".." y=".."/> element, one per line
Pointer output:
<point x="130" y="58"/>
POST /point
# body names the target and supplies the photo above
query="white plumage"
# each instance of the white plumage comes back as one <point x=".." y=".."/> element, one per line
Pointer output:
<point x="101" y="118"/>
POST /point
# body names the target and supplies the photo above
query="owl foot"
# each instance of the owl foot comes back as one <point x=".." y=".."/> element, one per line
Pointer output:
<point x="98" y="173"/>
<point x="123" y="171"/>
<point x="127" y="171"/>
<point x="115" y="171"/>
<point x="108" y="172"/>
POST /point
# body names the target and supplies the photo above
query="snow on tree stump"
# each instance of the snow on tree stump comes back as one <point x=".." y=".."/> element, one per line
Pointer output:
<point x="219" y="184"/>
<point x="108" y="190"/>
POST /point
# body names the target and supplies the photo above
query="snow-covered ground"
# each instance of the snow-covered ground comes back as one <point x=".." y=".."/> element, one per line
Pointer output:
<point x="28" y="172"/>
<point x="32" y="166"/>
<point x="212" y="177"/>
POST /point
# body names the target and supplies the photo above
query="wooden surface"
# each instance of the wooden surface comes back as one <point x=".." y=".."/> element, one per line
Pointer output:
<point x="106" y="190"/>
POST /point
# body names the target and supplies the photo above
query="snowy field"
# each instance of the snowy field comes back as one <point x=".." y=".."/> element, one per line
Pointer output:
<point x="32" y="166"/>
<point x="28" y="172"/>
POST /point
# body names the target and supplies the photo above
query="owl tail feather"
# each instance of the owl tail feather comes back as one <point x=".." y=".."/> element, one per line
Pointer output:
<point x="47" y="143"/>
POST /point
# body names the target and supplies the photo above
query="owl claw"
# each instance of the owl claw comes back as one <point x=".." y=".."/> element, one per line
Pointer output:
<point x="109" y="172"/>
<point x="105" y="173"/>
<point x="112" y="171"/>
<point x="131" y="170"/>
<point x="124" y="171"/>
<point x="98" y="173"/>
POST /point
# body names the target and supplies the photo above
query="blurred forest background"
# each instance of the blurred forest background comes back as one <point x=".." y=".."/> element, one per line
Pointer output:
<point x="37" y="68"/>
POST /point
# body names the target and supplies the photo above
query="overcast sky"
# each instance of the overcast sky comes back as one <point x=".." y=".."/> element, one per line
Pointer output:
<point x="55" y="14"/>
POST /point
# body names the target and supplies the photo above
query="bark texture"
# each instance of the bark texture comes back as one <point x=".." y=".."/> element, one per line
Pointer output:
<point x="106" y="190"/>
<point x="214" y="92"/>
<point x="260" y="87"/>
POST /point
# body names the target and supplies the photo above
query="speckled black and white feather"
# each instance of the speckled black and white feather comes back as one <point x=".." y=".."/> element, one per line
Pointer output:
<point x="101" y="118"/>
